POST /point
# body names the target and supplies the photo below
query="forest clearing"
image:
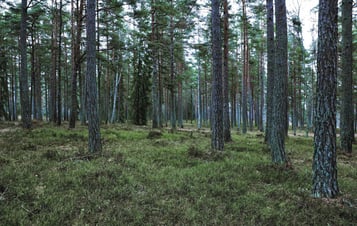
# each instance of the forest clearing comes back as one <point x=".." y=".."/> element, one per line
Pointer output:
<point x="49" y="178"/>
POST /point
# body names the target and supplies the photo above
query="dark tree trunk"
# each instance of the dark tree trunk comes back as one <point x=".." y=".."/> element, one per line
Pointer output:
<point x="59" y="80"/>
<point x="53" y="77"/>
<point x="278" y="129"/>
<point x="226" y="122"/>
<point x="261" y="80"/>
<point x="245" y="70"/>
<point x="155" y="80"/>
<point x="324" y="160"/>
<point x="172" y="76"/>
<point x="270" y="68"/>
<point x="347" y="120"/>
<point x="217" y="139"/>
<point x="94" y="141"/>
<point x="76" y="61"/>
<point x="24" y="87"/>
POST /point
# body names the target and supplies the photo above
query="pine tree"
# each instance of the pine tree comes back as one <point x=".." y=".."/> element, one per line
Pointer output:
<point x="279" y="114"/>
<point x="24" y="92"/>
<point x="347" y="120"/>
<point x="217" y="139"/>
<point x="324" y="161"/>
<point x="94" y="140"/>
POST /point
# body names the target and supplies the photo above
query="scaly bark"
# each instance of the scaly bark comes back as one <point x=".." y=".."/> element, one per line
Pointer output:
<point x="324" y="159"/>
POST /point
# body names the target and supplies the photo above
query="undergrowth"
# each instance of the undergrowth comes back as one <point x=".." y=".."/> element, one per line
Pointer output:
<point x="48" y="178"/>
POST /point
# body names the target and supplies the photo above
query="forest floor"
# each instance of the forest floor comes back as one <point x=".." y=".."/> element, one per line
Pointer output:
<point x="47" y="177"/>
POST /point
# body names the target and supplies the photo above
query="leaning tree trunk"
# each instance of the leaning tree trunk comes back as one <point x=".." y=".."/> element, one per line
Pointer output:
<point x="324" y="160"/>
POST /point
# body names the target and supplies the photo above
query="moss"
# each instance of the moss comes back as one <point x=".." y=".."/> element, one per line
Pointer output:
<point x="49" y="179"/>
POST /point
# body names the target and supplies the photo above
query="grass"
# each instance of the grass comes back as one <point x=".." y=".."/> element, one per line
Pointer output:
<point x="48" y="178"/>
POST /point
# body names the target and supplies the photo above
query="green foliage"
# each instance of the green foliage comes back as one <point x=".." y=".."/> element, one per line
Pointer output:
<point x="48" y="178"/>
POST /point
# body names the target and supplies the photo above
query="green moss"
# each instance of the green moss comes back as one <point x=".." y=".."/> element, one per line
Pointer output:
<point x="48" y="178"/>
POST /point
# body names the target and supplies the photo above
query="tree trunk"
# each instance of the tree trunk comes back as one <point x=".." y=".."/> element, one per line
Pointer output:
<point x="245" y="70"/>
<point x="261" y="74"/>
<point x="59" y="80"/>
<point x="94" y="141"/>
<point x="217" y="138"/>
<point x="155" y="80"/>
<point x="347" y="130"/>
<point x="116" y="87"/>
<point x="76" y="41"/>
<point x="324" y="160"/>
<point x="172" y="76"/>
<point x="270" y="68"/>
<point x="24" y="91"/>
<point x="226" y="122"/>
<point x="53" y="79"/>
<point x="278" y="129"/>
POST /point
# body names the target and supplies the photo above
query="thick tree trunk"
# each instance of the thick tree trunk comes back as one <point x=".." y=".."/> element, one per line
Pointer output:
<point x="347" y="130"/>
<point x="76" y="61"/>
<point x="279" y="117"/>
<point x="217" y="138"/>
<point x="94" y="141"/>
<point x="324" y="160"/>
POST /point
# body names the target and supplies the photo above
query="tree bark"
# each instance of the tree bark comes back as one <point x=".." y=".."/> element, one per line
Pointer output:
<point x="347" y="120"/>
<point x="226" y="121"/>
<point x="279" y="117"/>
<point x="245" y="71"/>
<point x="94" y="141"/>
<point x="24" y="91"/>
<point x="217" y="138"/>
<point x="270" y="68"/>
<point x="324" y="159"/>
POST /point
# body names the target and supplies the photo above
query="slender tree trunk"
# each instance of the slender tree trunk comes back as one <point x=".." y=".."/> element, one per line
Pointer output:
<point x="347" y="130"/>
<point x="116" y="87"/>
<point x="155" y="80"/>
<point x="180" y="104"/>
<point x="262" y="101"/>
<point x="270" y="68"/>
<point x="53" y="79"/>
<point x="59" y="81"/>
<point x="226" y="122"/>
<point x="324" y="161"/>
<point x="24" y="91"/>
<point x="217" y="138"/>
<point x="245" y="70"/>
<point x="94" y="141"/>
<point x="172" y="75"/>
<point x="199" y="113"/>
